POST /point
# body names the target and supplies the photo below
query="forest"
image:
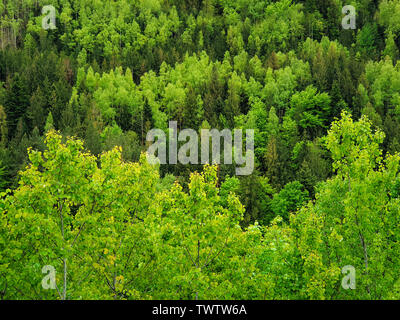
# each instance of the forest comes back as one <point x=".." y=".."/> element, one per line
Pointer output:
<point x="85" y="216"/>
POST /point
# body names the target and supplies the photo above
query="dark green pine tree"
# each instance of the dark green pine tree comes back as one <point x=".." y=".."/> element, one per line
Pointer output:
<point x="213" y="99"/>
<point x="17" y="102"/>
<point x="36" y="110"/>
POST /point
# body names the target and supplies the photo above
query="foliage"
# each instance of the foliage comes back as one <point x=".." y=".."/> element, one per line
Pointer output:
<point x="323" y="102"/>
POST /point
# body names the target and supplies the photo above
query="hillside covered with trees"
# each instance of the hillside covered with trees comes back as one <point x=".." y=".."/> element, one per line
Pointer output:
<point x="78" y="194"/>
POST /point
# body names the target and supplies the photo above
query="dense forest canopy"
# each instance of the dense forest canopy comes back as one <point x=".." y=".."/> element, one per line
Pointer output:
<point x="77" y="193"/>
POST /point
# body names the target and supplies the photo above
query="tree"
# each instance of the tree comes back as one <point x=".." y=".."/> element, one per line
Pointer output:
<point x="49" y="122"/>
<point x="200" y="230"/>
<point x="310" y="108"/>
<point x="36" y="110"/>
<point x="366" y="40"/>
<point x="110" y="235"/>
<point x="291" y="198"/>
<point x="3" y="127"/>
<point x="16" y="103"/>
<point x="353" y="219"/>
<point x="68" y="213"/>
<point x="272" y="163"/>
<point x="391" y="48"/>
